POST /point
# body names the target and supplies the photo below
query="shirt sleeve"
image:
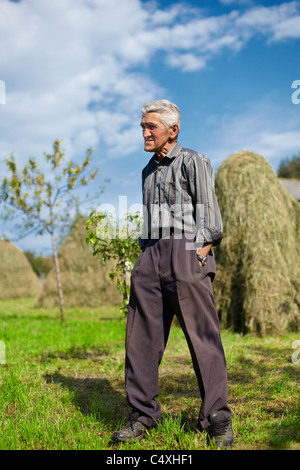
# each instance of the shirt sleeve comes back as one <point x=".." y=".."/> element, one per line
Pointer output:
<point x="209" y="227"/>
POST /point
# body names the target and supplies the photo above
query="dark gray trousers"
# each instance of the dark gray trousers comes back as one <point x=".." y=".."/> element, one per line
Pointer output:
<point x="166" y="281"/>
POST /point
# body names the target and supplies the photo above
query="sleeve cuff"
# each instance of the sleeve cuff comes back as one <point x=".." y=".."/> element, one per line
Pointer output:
<point x="205" y="236"/>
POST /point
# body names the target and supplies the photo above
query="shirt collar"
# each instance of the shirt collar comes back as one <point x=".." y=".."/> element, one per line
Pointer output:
<point x="173" y="152"/>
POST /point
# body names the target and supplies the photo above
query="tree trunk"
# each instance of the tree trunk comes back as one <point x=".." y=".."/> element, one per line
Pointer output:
<point x="125" y="293"/>
<point x="59" y="286"/>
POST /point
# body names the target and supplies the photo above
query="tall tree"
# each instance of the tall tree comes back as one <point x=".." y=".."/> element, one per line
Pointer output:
<point x="46" y="198"/>
<point x="290" y="167"/>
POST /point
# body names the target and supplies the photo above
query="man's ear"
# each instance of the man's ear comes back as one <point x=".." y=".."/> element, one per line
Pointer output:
<point x="174" y="130"/>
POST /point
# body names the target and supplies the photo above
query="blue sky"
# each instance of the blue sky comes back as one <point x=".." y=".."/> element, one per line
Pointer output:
<point x="80" y="70"/>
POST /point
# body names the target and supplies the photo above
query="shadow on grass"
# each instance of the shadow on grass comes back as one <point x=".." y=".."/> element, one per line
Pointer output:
<point x="94" y="397"/>
<point x="259" y="361"/>
<point x="94" y="354"/>
<point x="105" y="400"/>
<point x="268" y="381"/>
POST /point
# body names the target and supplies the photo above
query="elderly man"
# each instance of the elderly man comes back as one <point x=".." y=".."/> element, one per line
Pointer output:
<point x="173" y="276"/>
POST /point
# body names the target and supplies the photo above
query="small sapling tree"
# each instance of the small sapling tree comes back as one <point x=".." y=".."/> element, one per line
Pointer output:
<point x="46" y="198"/>
<point x="118" y="241"/>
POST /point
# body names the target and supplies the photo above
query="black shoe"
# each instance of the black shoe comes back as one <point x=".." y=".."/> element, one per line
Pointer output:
<point x="133" y="430"/>
<point x="220" y="430"/>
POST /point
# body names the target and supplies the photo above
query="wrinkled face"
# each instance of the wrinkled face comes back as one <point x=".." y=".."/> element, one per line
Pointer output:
<point x="157" y="138"/>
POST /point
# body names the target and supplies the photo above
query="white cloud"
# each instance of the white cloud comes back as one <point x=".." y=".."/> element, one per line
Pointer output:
<point x="289" y="28"/>
<point x="66" y="66"/>
<point x="238" y="2"/>
<point x="257" y="130"/>
<point x="276" y="22"/>
<point x="78" y="70"/>
<point x="186" y="62"/>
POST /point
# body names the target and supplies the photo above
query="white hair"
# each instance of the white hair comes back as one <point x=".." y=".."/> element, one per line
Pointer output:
<point x="170" y="113"/>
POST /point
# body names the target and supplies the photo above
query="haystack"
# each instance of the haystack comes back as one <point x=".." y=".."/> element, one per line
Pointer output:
<point x="85" y="281"/>
<point x="17" y="278"/>
<point x="258" y="278"/>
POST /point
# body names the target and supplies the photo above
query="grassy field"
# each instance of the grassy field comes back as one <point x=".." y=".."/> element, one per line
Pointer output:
<point x="63" y="388"/>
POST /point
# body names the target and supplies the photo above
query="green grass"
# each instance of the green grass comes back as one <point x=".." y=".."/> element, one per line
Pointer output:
<point x="63" y="388"/>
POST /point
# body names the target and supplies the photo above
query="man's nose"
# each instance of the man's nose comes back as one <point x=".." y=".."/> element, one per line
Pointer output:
<point x="146" y="132"/>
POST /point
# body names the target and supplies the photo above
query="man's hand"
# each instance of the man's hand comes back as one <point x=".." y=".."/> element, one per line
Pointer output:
<point x="203" y="251"/>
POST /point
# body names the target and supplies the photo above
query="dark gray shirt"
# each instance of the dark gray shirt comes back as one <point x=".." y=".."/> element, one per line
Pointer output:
<point x="179" y="196"/>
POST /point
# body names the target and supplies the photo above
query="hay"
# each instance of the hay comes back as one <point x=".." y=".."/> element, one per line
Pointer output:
<point x="85" y="281"/>
<point x="17" y="278"/>
<point x="257" y="283"/>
